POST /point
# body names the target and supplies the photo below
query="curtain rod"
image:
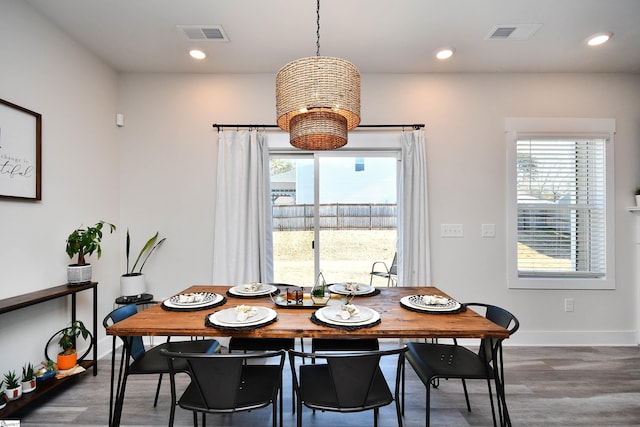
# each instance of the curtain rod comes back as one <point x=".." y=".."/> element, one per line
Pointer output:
<point x="414" y="126"/>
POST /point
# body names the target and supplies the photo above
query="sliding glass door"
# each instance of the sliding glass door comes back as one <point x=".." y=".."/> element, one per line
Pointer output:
<point x="333" y="212"/>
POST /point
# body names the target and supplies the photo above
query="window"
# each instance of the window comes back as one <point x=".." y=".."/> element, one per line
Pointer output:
<point x="560" y="203"/>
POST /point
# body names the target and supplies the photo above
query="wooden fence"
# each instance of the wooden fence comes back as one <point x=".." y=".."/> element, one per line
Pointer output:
<point x="336" y="217"/>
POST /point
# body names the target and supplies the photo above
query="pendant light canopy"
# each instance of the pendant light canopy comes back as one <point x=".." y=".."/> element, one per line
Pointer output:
<point x="318" y="100"/>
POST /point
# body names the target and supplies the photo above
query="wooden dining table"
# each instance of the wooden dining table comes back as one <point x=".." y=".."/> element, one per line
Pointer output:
<point x="294" y="321"/>
<point x="395" y="320"/>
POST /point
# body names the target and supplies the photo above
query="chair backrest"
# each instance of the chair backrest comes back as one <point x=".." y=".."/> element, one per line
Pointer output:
<point x="500" y="317"/>
<point x="353" y="374"/>
<point x="217" y="377"/>
<point x="394" y="265"/>
<point x="135" y="344"/>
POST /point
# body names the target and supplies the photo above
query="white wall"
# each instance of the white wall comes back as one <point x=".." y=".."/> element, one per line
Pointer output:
<point x="158" y="172"/>
<point x="44" y="71"/>
<point x="168" y="173"/>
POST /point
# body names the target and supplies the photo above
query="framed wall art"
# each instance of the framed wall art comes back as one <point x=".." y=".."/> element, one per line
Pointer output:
<point x="20" y="152"/>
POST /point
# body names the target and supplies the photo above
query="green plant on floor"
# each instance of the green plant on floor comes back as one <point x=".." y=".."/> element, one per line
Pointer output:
<point x="68" y="336"/>
<point x="11" y="380"/>
<point x="85" y="241"/>
<point x="27" y="372"/>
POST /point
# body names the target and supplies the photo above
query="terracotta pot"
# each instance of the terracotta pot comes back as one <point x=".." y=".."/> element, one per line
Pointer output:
<point x="67" y="361"/>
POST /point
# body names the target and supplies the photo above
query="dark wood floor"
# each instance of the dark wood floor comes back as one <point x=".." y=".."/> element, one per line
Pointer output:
<point x="578" y="386"/>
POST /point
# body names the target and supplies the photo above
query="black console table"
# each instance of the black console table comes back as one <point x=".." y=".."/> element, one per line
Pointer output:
<point x="33" y="298"/>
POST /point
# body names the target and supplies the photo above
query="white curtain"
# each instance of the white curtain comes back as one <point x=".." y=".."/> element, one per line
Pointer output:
<point x="242" y="241"/>
<point x="414" y="249"/>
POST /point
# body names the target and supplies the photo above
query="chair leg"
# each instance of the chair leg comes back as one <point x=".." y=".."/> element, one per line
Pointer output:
<point x="493" y="410"/>
<point x="466" y="395"/>
<point x="428" y="407"/>
<point x="375" y="417"/>
<point x="155" y="401"/>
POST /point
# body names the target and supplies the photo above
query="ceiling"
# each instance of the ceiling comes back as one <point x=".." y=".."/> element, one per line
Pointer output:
<point x="378" y="36"/>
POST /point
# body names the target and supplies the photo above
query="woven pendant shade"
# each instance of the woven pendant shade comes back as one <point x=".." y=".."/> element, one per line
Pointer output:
<point x="318" y="130"/>
<point x="324" y="86"/>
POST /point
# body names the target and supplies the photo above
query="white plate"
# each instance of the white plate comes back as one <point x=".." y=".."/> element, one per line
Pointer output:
<point x="200" y="298"/>
<point x="213" y="318"/>
<point x="333" y="313"/>
<point x="341" y="288"/>
<point x="229" y="315"/>
<point x="415" y="302"/>
<point x="375" y="316"/>
<point x="265" y="290"/>
<point x="216" y="300"/>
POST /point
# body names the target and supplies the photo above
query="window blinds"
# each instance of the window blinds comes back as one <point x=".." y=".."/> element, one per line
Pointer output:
<point x="561" y="206"/>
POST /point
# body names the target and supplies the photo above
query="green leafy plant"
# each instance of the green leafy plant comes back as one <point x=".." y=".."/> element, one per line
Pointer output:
<point x="68" y="336"/>
<point x="85" y="241"/>
<point x="152" y="244"/>
<point x="11" y="380"/>
<point x="27" y="372"/>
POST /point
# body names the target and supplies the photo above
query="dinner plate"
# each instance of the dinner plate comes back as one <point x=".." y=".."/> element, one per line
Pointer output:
<point x="333" y="313"/>
<point x="210" y="301"/>
<point x="375" y="316"/>
<point x="264" y="290"/>
<point x="415" y="301"/>
<point x="213" y="318"/>
<point x="191" y="299"/>
<point x="229" y="315"/>
<point x="341" y="288"/>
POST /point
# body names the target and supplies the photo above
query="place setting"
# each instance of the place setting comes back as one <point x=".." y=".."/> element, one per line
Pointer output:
<point x="354" y="288"/>
<point x="253" y="290"/>
<point x="193" y="301"/>
<point x="346" y="316"/>
<point x="434" y="304"/>
<point x="241" y="317"/>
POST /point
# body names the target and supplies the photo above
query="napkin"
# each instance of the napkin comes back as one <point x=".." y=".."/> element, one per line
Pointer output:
<point x="434" y="299"/>
<point x="352" y="286"/>
<point x="243" y="312"/>
<point x="187" y="298"/>
<point x="348" y="310"/>
<point x="252" y="286"/>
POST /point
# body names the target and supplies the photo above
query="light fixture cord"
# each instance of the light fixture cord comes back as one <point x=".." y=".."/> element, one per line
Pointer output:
<point x="318" y="28"/>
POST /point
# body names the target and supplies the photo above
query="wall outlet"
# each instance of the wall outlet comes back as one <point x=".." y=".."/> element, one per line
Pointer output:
<point x="568" y="304"/>
<point x="488" y="230"/>
<point x="451" y="230"/>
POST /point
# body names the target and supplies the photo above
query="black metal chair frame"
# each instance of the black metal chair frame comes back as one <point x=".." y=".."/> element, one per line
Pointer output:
<point x="486" y="364"/>
<point x="343" y="369"/>
<point x="233" y="388"/>
<point x="155" y="364"/>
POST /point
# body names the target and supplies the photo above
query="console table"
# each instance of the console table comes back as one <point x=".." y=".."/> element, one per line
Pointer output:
<point x="37" y="297"/>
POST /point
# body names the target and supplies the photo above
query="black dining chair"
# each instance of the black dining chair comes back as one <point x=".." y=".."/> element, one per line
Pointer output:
<point x="346" y="382"/>
<point x="433" y="361"/>
<point x="137" y="360"/>
<point x="227" y="383"/>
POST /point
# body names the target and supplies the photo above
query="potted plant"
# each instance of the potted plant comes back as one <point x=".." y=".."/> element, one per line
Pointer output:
<point x="28" y="378"/>
<point x="319" y="293"/>
<point x="81" y="242"/>
<point x="68" y="357"/>
<point x="12" y="389"/>
<point x="132" y="282"/>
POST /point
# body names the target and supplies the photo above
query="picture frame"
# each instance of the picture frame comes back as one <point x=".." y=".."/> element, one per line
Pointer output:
<point x="20" y="152"/>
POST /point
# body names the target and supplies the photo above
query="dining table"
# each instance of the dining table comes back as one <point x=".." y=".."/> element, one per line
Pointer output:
<point x="394" y="316"/>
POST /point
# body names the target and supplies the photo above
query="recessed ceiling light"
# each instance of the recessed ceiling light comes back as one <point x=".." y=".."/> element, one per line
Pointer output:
<point x="445" y="53"/>
<point x="197" y="54"/>
<point x="598" y="39"/>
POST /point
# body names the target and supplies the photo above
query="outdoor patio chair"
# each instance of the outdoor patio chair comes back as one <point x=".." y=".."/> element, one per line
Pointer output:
<point x="380" y="269"/>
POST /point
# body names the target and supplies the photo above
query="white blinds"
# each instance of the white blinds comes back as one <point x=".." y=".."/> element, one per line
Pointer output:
<point x="561" y="207"/>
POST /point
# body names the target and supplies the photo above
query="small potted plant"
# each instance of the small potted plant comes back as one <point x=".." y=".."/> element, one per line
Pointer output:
<point x="28" y="378"/>
<point x="132" y="282"/>
<point x="68" y="357"/>
<point x="47" y="370"/>
<point x="81" y="242"/>
<point x="320" y="294"/>
<point x="12" y="389"/>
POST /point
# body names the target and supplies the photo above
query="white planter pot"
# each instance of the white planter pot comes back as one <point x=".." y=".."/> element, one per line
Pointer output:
<point x="132" y="285"/>
<point x="13" y="393"/>
<point x="638" y="201"/>
<point x="77" y="274"/>
<point x="29" y="386"/>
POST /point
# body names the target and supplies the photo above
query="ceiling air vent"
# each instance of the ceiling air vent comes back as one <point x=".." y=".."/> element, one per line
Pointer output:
<point x="513" y="32"/>
<point x="204" y="32"/>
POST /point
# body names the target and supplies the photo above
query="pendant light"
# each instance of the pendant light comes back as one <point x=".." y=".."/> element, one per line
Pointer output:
<point x="318" y="99"/>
